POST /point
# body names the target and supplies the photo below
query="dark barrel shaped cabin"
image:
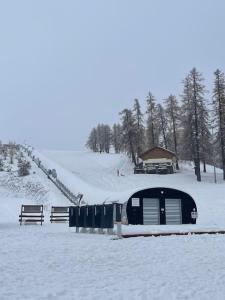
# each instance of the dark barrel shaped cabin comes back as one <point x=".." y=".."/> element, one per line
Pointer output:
<point x="155" y="206"/>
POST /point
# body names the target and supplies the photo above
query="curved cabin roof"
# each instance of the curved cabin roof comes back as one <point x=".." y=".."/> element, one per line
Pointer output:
<point x="157" y="152"/>
<point x="123" y="196"/>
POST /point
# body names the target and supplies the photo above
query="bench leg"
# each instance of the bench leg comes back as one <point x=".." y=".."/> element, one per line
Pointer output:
<point x="109" y="231"/>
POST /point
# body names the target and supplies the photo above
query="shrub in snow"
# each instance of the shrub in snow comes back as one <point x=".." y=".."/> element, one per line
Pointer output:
<point x="1" y="165"/>
<point x="24" y="168"/>
<point x="54" y="174"/>
<point x="38" y="162"/>
<point x="5" y="154"/>
<point x="8" y="169"/>
<point x="11" y="155"/>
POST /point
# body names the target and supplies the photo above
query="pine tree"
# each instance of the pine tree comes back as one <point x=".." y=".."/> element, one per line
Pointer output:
<point x="106" y="137"/>
<point x="128" y="132"/>
<point x="163" y="126"/>
<point x="92" y="142"/>
<point x="173" y="116"/>
<point x="116" y="138"/>
<point x="100" y="138"/>
<point x="187" y="138"/>
<point x="205" y="135"/>
<point x="197" y="89"/>
<point x="139" y="128"/>
<point x="194" y="102"/>
<point x="151" y="129"/>
<point x="219" y="112"/>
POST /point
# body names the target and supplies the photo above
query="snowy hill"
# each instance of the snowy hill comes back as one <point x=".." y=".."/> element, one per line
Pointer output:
<point x="95" y="175"/>
<point x="32" y="189"/>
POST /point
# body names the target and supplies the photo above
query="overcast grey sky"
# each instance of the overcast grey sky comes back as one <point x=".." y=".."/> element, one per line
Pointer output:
<point x="66" y="65"/>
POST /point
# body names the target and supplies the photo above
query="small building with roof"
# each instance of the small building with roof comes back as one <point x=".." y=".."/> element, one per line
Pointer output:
<point x="156" y="160"/>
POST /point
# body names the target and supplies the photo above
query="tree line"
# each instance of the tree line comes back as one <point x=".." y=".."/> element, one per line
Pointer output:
<point x="193" y="126"/>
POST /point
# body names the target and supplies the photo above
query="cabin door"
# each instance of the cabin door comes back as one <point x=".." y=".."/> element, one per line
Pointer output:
<point x="173" y="211"/>
<point x="151" y="214"/>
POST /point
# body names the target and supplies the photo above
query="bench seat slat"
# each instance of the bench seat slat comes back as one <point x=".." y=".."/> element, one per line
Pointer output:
<point x="59" y="216"/>
<point x="31" y="216"/>
<point x="32" y="208"/>
<point x="59" y="212"/>
<point x="60" y="209"/>
<point x="59" y="220"/>
<point x="31" y="212"/>
<point x="32" y="220"/>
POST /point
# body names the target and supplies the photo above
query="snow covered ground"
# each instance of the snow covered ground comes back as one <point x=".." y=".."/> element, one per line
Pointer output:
<point x="53" y="262"/>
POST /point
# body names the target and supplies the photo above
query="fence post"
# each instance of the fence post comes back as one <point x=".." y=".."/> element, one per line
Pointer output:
<point x="110" y="231"/>
<point x="77" y="229"/>
<point x="119" y="230"/>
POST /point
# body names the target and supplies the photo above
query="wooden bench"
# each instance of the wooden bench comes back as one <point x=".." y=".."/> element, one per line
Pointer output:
<point x="31" y="214"/>
<point x="59" y="214"/>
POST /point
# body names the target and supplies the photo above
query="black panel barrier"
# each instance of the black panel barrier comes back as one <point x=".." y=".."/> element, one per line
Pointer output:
<point x="90" y="217"/>
<point x="95" y="216"/>
<point x="82" y="216"/>
<point x="107" y="218"/>
<point x="73" y="216"/>
<point x="98" y="212"/>
<point x="117" y="212"/>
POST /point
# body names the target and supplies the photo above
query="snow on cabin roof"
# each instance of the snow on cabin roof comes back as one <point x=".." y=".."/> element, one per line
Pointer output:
<point x="157" y="147"/>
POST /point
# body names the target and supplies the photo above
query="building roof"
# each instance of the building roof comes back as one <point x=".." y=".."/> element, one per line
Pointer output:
<point x="160" y="148"/>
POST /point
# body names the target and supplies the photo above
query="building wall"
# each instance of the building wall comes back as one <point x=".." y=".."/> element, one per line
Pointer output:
<point x="158" y="160"/>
